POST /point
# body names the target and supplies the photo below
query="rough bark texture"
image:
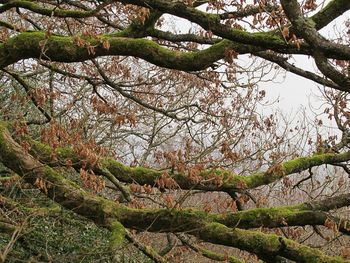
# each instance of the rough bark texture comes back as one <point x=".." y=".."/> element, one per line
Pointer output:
<point x="115" y="216"/>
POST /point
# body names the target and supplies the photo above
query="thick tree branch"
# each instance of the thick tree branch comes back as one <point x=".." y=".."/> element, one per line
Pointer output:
<point x="330" y="72"/>
<point x="63" y="49"/>
<point x="69" y="49"/>
<point x="306" y="29"/>
<point x="212" y="22"/>
<point x="230" y="181"/>
<point x="56" y="12"/>
<point x="106" y="213"/>
<point x="331" y="11"/>
<point x="298" y="215"/>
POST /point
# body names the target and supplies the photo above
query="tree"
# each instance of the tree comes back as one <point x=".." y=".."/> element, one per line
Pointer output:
<point x="157" y="121"/>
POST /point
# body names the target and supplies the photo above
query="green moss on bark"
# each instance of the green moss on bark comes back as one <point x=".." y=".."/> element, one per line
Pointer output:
<point x="74" y="49"/>
<point x="117" y="234"/>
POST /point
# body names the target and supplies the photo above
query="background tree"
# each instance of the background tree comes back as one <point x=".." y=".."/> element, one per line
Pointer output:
<point x="116" y="124"/>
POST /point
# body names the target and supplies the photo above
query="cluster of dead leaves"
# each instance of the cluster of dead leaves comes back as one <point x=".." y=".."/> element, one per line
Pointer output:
<point x="146" y="188"/>
<point x="92" y="181"/>
<point x="165" y="181"/>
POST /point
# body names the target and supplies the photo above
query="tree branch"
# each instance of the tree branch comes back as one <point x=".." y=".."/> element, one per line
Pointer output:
<point x="230" y="182"/>
<point x="105" y="213"/>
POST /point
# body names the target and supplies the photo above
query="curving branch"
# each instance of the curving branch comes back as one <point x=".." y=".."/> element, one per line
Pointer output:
<point x="307" y="30"/>
<point x="331" y="11"/>
<point x="212" y="22"/>
<point x="230" y="182"/>
<point x="65" y="49"/>
<point x="106" y="213"/>
<point x="55" y="12"/>
<point x="69" y="49"/>
<point x="330" y="72"/>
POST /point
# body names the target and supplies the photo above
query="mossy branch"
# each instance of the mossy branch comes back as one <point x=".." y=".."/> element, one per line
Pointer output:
<point x="117" y="234"/>
<point x="56" y="12"/>
<point x="230" y="181"/>
<point x="41" y="45"/>
<point x="212" y="22"/>
<point x="310" y="213"/>
<point x="331" y="11"/>
<point x="266" y="246"/>
<point x="105" y="212"/>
